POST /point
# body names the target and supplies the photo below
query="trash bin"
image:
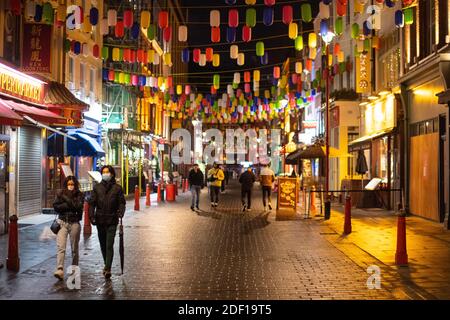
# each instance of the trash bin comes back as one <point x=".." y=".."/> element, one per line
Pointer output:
<point x="170" y="192"/>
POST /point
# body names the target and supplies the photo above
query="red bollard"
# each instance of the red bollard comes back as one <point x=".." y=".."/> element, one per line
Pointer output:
<point x="186" y="181"/>
<point x="136" y="198"/>
<point x="147" y="196"/>
<point x="159" y="193"/>
<point x="401" y="256"/>
<point x="87" y="229"/>
<point x="348" y="215"/>
<point x="13" y="261"/>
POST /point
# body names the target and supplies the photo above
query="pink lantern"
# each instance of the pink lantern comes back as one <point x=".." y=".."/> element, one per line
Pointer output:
<point x="134" y="79"/>
<point x="269" y="3"/>
<point x="233" y="18"/>
<point x="215" y="34"/>
<point x="163" y="19"/>
<point x="287" y="14"/>
<point x="128" y="18"/>
<point x="246" y="33"/>
<point x="247" y="88"/>
<point x="187" y="90"/>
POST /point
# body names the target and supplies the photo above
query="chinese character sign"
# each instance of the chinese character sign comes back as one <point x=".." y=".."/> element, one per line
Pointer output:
<point x="363" y="73"/>
<point x="36" y="55"/>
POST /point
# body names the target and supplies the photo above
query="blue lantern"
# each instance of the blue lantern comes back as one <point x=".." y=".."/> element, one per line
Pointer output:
<point x="77" y="47"/>
<point x="268" y="16"/>
<point x="142" y="81"/>
<point x="399" y="18"/>
<point x="93" y="16"/>
<point x="231" y="35"/>
<point x="230" y="2"/>
<point x="390" y="3"/>
<point x="38" y="13"/>
<point x="135" y="30"/>
<point x="105" y="73"/>
<point x="323" y="27"/>
<point x="265" y="58"/>
<point x="327" y="2"/>
<point x="366" y="29"/>
<point x="185" y="55"/>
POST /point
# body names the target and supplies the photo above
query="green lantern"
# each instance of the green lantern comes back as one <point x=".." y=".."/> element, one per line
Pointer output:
<point x="67" y="45"/>
<point x="152" y="32"/>
<point x="355" y="30"/>
<point x="47" y="13"/>
<point x="235" y="86"/>
<point x="367" y="45"/>
<point x="409" y="15"/>
<point x="306" y="12"/>
<point x="339" y="26"/>
<point x="250" y="17"/>
<point x="120" y="54"/>
<point x="105" y="53"/>
<point x="216" y="82"/>
<point x="299" y="43"/>
<point x="341" y="67"/>
<point x="260" y="49"/>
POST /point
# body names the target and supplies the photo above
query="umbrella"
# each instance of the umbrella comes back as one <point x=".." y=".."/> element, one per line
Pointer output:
<point x="121" y="248"/>
<point x="313" y="152"/>
<point x="361" y="166"/>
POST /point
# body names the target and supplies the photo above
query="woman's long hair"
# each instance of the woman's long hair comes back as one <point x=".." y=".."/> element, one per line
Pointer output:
<point x="75" y="182"/>
<point x="111" y="170"/>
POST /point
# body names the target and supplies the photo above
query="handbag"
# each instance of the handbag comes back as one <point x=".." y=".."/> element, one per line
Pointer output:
<point x="55" y="227"/>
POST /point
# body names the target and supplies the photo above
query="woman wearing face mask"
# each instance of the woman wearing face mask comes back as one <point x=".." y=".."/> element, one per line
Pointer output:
<point x="69" y="206"/>
<point x="106" y="206"/>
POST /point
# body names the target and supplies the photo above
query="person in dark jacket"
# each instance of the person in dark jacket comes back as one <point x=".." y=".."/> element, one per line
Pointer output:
<point x="196" y="183"/>
<point x="106" y="207"/>
<point x="69" y="207"/>
<point x="247" y="179"/>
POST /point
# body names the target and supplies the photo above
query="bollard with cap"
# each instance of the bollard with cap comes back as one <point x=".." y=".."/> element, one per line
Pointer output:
<point x="13" y="260"/>
<point x="147" y="196"/>
<point x="136" y="198"/>
<point x="348" y="214"/>
<point x="87" y="229"/>
<point x="401" y="255"/>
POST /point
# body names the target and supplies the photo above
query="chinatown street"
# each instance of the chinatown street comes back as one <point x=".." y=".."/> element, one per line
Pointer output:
<point x="174" y="253"/>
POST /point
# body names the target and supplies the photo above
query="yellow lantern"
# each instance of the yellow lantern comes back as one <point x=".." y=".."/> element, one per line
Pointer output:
<point x="257" y="75"/>
<point x="234" y="52"/>
<point x="179" y="89"/>
<point x="312" y="53"/>
<point x="87" y="27"/>
<point x="330" y="60"/>
<point x="312" y="40"/>
<point x="145" y="19"/>
<point x="160" y="82"/>
<point x="298" y="67"/>
<point x="293" y="30"/>
<point x="216" y="60"/>
<point x="167" y="59"/>
<point x="115" y="54"/>
<point x="241" y="59"/>
<point x="341" y="56"/>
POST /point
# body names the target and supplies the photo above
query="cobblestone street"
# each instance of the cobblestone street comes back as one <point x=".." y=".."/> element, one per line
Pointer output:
<point x="174" y="253"/>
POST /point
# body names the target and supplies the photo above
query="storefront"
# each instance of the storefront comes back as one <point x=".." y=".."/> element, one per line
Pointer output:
<point x="24" y="124"/>
<point x="379" y="143"/>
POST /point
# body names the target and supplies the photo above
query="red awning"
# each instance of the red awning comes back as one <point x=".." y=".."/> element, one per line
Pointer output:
<point x="58" y="96"/>
<point x="38" y="114"/>
<point x="9" y="117"/>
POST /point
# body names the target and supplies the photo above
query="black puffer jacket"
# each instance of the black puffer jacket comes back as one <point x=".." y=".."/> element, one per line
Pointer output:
<point x="247" y="179"/>
<point x="107" y="203"/>
<point x="69" y="205"/>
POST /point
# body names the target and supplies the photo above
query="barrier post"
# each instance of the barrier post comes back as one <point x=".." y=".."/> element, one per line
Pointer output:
<point x="348" y="214"/>
<point x="401" y="255"/>
<point x="136" y="198"/>
<point x="87" y="229"/>
<point x="147" y="195"/>
<point x="13" y="260"/>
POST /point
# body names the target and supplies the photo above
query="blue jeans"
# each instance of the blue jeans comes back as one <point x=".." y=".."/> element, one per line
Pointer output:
<point x="195" y="191"/>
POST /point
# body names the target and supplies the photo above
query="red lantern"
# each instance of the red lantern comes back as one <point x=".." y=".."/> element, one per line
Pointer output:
<point x="196" y="55"/>
<point x="215" y="34"/>
<point x="308" y="65"/>
<point x="287" y="15"/>
<point x="15" y="7"/>
<point x="132" y="56"/>
<point x="247" y="88"/>
<point x="111" y="75"/>
<point x="276" y="72"/>
<point x="337" y="49"/>
<point x="407" y="3"/>
<point x="213" y="90"/>
<point x="294" y="78"/>
<point x="163" y="19"/>
<point x="126" y="55"/>
<point x="119" y="29"/>
<point x="128" y="18"/>
<point x="341" y="9"/>
<point x="96" y="51"/>
<point x="140" y="55"/>
<point x="209" y="54"/>
<point x="269" y="3"/>
<point x="247" y="76"/>
<point x="246" y="33"/>
<point x="167" y="34"/>
<point x="233" y="18"/>
<point x="170" y="82"/>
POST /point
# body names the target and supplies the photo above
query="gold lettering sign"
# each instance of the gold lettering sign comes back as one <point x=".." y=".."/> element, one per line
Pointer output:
<point x="20" y="88"/>
<point x="363" y="73"/>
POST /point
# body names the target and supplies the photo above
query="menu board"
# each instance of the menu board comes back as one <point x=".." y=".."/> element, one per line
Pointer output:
<point x="287" y="193"/>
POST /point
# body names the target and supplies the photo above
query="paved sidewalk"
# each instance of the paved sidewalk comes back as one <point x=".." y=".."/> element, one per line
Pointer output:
<point x="174" y="253"/>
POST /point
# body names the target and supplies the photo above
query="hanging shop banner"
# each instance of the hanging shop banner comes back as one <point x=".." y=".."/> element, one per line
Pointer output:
<point x="363" y="73"/>
<point x="36" y="50"/>
<point x="20" y="85"/>
<point x="287" y="193"/>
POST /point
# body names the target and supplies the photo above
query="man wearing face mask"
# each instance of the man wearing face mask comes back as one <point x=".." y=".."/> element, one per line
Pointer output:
<point x="106" y="207"/>
<point x="215" y="178"/>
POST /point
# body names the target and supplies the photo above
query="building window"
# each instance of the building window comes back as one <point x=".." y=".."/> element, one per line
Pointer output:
<point x="424" y="127"/>
<point x="91" y="82"/>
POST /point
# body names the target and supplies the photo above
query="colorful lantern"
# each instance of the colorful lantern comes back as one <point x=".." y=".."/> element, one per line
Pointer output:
<point x="128" y="18"/>
<point x="246" y="34"/>
<point x="237" y="78"/>
<point x="47" y="12"/>
<point x="323" y="27"/>
<point x="241" y="59"/>
<point x="288" y="14"/>
<point x="182" y="33"/>
<point x="409" y="16"/>
<point x="337" y="49"/>
<point x="339" y="26"/>
<point x="104" y="29"/>
<point x="145" y="19"/>
<point x="265" y="59"/>
<point x="306" y="12"/>
<point x="341" y="9"/>
<point x="209" y="54"/>
<point x="167" y="34"/>
<point x="268" y="15"/>
<point x="234" y="52"/>
<point x="247" y="77"/>
<point x="355" y="30"/>
<point x="298" y="67"/>
<point x="115" y="54"/>
<point x="216" y="81"/>
<point x="250" y="17"/>
<point x="233" y="18"/>
<point x="312" y="40"/>
<point x="324" y="11"/>
<point x="185" y="55"/>
<point x="231" y="35"/>
<point x="293" y="30"/>
<point x="215" y="34"/>
<point x="256" y="75"/>
<point x="216" y="60"/>
<point x="202" y="61"/>
<point x="112" y="18"/>
<point x="196" y="55"/>
<point x="341" y="57"/>
<point x="299" y="43"/>
<point x="119" y="29"/>
<point x="135" y="30"/>
<point x="250" y="2"/>
<point x="269" y="2"/>
<point x="260" y="48"/>
<point x="163" y="19"/>
<point x="151" y="32"/>
<point x="214" y="18"/>
<point x="156" y="59"/>
<point x="399" y="20"/>
<point x="105" y="53"/>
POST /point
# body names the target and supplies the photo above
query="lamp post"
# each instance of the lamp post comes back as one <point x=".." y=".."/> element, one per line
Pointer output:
<point x="327" y="38"/>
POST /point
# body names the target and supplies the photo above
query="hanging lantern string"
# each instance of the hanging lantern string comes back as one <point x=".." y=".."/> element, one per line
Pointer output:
<point x="226" y="23"/>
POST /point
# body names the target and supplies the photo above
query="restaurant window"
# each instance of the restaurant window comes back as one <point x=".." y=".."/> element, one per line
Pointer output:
<point x="424" y="127"/>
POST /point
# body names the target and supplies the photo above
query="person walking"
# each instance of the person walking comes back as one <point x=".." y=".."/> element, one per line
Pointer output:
<point x="196" y="181"/>
<point x="215" y="179"/>
<point x="69" y="207"/>
<point x="106" y="206"/>
<point x="247" y="179"/>
<point x="267" y="178"/>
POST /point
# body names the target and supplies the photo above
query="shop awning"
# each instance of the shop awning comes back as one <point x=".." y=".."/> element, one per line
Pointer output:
<point x="314" y="152"/>
<point x="84" y="146"/>
<point x="9" y="117"/>
<point x="367" y="138"/>
<point x="35" y="113"/>
<point x="58" y="96"/>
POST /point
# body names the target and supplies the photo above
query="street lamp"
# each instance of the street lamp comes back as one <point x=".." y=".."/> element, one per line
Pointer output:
<point x="327" y="38"/>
